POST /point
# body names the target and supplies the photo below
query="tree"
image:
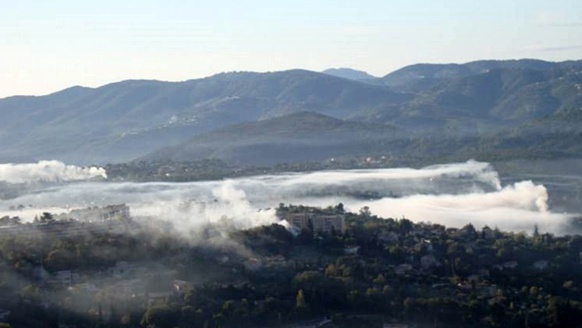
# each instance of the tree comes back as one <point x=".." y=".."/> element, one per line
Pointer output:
<point x="58" y="260"/>
<point x="309" y="281"/>
<point x="380" y="280"/>
<point x="469" y="232"/>
<point x="46" y="217"/>
<point x="6" y="220"/>
<point x="159" y="316"/>
<point x="365" y="212"/>
<point x="405" y="225"/>
<point x="300" y="300"/>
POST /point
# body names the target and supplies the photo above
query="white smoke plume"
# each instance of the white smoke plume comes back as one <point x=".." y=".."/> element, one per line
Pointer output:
<point x="478" y="171"/>
<point x="451" y="194"/>
<point x="47" y="171"/>
<point x="515" y="207"/>
<point x="227" y="206"/>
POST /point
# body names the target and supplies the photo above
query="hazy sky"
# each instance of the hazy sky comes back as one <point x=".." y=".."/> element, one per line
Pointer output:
<point x="50" y="45"/>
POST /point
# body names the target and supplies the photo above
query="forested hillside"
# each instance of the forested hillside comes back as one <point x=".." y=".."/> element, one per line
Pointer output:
<point x="436" y="107"/>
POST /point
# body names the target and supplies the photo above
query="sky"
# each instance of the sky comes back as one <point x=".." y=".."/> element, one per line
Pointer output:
<point x="46" y="46"/>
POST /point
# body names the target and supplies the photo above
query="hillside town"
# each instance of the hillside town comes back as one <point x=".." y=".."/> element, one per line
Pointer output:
<point x="329" y="268"/>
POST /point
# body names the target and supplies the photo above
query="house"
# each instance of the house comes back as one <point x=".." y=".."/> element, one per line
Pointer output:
<point x="121" y="269"/>
<point x="276" y="262"/>
<point x="540" y="265"/>
<point x="388" y="237"/>
<point x="429" y="261"/>
<point x="87" y="287"/>
<point x="153" y="298"/>
<point x="66" y="278"/>
<point x="39" y="273"/>
<point x="181" y="287"/>
<point x="510" y="265"/>
<point x="253" y="264"/>
<point x="4" y="314"/>
<point x="101" y="214"/>
<point x="403" y="269"/>
<point x="488" y="233"/>
<point x="223" y="259"/>
<point x="351" y="250"/>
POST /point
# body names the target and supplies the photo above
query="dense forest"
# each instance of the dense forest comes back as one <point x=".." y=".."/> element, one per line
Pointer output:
<point x="145" y="273"/>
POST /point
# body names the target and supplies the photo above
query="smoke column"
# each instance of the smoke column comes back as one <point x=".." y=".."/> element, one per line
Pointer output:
<point x="47" y="171"/>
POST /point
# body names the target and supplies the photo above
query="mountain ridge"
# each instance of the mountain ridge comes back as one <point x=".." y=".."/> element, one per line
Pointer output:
<point x="125" y="120"/>
<point x="349" y="73"/>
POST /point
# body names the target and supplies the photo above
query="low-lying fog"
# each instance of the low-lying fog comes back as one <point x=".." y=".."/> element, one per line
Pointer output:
<point x="450" y="194"/>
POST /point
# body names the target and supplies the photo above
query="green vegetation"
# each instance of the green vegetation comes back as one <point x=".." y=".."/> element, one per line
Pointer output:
<point x="148" y="274"/>
<point x="217" y="169"/>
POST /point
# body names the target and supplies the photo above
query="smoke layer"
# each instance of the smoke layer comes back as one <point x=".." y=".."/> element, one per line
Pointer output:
<point x="47" y="171"/>
<point x="451" y="194"/>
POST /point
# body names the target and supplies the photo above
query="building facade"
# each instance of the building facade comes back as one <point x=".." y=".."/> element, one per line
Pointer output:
<point x="319" y="223"/>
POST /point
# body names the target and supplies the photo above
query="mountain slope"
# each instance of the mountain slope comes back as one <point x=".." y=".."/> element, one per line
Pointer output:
<point x="350" y="74"/>
<point x="494" y="99"/>
<point x="422" y="77"/>
<point x="112" y="122"/>
<point x="291" y="138"/>
<point x="306" y="136"/>
<point x="452" y="103"/>
<point x="554" y="136"/>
